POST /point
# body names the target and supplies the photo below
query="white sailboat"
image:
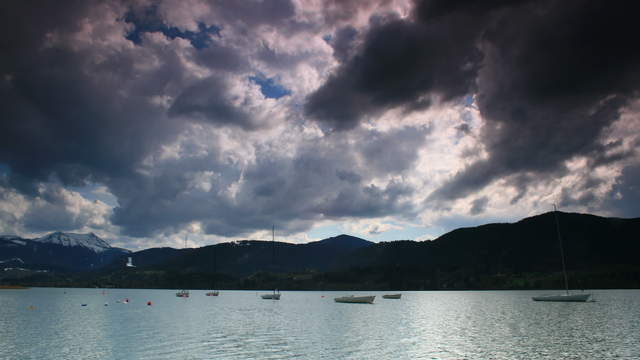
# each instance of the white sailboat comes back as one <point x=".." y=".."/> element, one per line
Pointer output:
<point x="276" y="294"/>
<point x="355" y="299"/>
<point x="184" y="293"/>
<point x="391" y="296"/>
<point x="566" y="297"/>
<point x="213" y="292"/>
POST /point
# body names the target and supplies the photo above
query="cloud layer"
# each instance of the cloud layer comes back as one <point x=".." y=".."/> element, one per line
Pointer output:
<point x="221" y="118"/>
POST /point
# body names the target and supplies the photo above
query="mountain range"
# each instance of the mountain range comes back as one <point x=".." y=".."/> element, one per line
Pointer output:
<point x="599" y="252"/>
<point x="58" y="251"/>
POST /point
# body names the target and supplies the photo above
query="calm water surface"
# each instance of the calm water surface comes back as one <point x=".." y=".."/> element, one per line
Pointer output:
<point x="45" y="323"/>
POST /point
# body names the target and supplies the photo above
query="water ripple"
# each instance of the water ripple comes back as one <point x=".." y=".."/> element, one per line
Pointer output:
<point x="52" y="324"/>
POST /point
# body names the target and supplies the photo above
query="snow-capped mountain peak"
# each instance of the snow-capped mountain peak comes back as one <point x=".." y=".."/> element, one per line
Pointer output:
<point x="90" y="241"/>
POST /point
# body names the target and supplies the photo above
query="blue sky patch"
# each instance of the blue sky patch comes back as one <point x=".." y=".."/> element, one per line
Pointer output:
<point x="269" y="87"/>
<point x="149" y="21"/>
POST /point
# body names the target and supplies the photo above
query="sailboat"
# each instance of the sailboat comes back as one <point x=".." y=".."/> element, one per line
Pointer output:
<point x="276" y="294"/>
<point x="213" y="292"/>
<point x="355" y="299"/>
<point x="391" y="296"/>
<point x="183" y="293"/>
<point x="566" y="297"/>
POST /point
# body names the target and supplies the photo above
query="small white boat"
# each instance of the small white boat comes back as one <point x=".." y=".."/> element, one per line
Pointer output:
<point x="355" y="299"/>
<point x="563" y="297"/>
<point x="392" y="296"/>
<point x="273" y="296"/>
<point x="183" y="293"/>
<point x="276" y="294"/>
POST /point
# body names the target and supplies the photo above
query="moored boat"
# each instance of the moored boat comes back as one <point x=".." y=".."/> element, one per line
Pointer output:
<point x="274" y="296"/>
<point x="213" y="293"/>
<point x="183" y="293"/>
<point x="563" y="297"/>
<point x="391" y="296"/>
<point x="355" y="299"/>
<point x="566" y="297"/>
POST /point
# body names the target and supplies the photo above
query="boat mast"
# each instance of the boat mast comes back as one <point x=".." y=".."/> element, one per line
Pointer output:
<point x="564" y="270"/>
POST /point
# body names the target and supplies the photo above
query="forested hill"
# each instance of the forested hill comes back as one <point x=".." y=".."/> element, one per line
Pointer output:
<point x="600" y="253"/>
<point x="521" y="254"/>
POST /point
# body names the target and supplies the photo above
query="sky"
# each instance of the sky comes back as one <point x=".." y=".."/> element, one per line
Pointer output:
<point x="154" y="122"/>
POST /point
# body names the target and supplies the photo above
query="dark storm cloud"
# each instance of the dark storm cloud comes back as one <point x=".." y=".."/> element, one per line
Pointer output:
<point x="206" y="101"/>
<point x="549" y="78"/>
<point x="343" y="43"/>
<point x="84" y="112"/>
<point x="78" y="105"/>
<point x="555" y="76"/>
<point x="399" y="64"/>
<point x="478" y="205"/>
<point x="432" y="9"/>
<point x="68" y="115"/>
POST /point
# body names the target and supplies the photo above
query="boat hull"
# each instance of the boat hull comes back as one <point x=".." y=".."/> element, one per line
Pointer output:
<point x="563" y="298"/>
<point x="213" y="293"/>
<point x="355" y="299"/>
<point x="271" y="296"/>
<point x="392" y="296"/>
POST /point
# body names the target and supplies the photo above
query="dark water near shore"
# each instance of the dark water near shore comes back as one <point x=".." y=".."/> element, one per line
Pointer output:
<point x="46" y="323"/>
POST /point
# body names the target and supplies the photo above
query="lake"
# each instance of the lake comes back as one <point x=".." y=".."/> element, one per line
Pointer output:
<point x="48" y="323"/>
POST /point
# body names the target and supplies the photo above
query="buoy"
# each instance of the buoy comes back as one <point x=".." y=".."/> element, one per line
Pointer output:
<point x="149" y="303"/>
<point x="31" y="307"/>
<point x="106" y="304"/>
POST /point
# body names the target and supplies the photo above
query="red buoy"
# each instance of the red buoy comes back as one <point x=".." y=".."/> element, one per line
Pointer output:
<point x="149" y="303"/>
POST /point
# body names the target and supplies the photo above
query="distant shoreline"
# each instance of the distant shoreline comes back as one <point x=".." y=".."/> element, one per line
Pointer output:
<point x="13" y="287"/>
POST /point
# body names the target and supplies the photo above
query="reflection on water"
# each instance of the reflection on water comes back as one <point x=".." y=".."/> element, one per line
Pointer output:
<point x="52" y="324"/>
